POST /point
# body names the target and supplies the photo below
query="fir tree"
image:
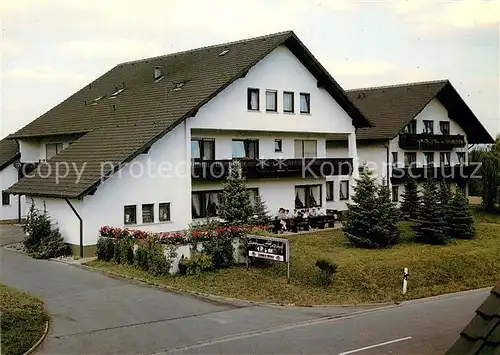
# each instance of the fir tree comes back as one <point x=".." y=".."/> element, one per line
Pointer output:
<point x="445" y="197"/>
<point x="411" y="199"/>
<point x="262" y="215"/>
<point x="366" y="223"/>
<point x="389" y="216"/>
<point x="235" y="204"/>
<point x="430" y="225"/>
<point x="462" y="221"/>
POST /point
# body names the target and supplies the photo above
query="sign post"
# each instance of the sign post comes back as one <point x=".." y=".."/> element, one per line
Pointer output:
<point x="405" y="280"/>
<point x="275" y="249"/>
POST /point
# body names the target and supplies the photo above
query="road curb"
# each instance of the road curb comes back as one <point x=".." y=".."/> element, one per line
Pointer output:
<point x="40" y="341"/>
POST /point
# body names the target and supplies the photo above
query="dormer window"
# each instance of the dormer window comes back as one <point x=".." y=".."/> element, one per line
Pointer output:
<point x="179" y="86"/>
<point x="428" y="127"/>
<point x="158" y="72"/>
<point x="116" y="93"/>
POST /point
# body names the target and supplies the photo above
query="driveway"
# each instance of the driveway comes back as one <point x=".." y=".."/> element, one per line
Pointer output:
<point x="10" y="234"/>
<point x="96" y="314"/>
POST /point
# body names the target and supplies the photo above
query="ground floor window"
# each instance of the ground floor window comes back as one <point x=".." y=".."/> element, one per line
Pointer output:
<point x="344" y="190"/>
<point x="307" y="196"/>
<point x="5" y="198"/>
<point x="148" y="213"/>
<point x="207" y="203"/>
<point x="395" y="193"/>
<point x="164" y="212"/>
<point x="329" y="190"/>
<point x="130" y="213"/>
<point x="253" y="195"/>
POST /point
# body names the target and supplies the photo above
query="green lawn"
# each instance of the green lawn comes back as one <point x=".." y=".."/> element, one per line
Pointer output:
<point x="363" y="276"/>
<point x="23" y="320"/>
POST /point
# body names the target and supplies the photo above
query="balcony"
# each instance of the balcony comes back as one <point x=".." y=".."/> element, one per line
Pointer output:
<point x="272" y="168"/>
<point x="456" y="173"/>
<point x="426" y="141"/>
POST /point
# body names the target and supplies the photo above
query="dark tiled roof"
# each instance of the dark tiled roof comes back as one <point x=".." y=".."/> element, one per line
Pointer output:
<point x="391" y="108"/>
<point x="8" y="152"/>
<point x="482" y="335"/>
<point x="116" y="130"/>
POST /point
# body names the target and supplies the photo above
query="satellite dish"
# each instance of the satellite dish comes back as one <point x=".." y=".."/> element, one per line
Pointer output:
<point x="17" y="165"/>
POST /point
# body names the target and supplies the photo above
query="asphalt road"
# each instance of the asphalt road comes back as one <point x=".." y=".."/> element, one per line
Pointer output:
<point x="96" y="314"/>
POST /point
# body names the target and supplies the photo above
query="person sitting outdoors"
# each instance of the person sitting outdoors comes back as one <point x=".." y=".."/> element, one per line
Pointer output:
<point x="288" y="214"/>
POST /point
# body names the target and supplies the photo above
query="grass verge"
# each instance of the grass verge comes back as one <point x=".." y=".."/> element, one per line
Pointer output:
<point x="23" y="320"/>
<point x="364" y="276"/>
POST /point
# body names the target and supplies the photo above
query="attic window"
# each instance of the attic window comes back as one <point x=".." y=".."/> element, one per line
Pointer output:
<point x="179" y="85"/>
<point x="158" y="74"/>
<point x="116" y="93"/>
<point x="224" y="52"/>
<point x="94" y="102"/>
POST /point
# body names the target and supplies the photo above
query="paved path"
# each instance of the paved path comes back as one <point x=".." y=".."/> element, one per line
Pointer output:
<point x="96" y="314"/>
<point x="10" y="234"/>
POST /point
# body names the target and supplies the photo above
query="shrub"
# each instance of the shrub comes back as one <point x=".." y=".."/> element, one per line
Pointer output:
<point x="52" y="246"/>
<point x="235" y="205"/>
<point x="124" y="254"/>
<point x="158" y="264"/>
<point x="105" y="249"/>
<point x="221" y="250"/>
<point x="141" y="257"/>
<point x="326" y="271"/>
<point x="198" y="263"/>
<point x="37" y="227"/>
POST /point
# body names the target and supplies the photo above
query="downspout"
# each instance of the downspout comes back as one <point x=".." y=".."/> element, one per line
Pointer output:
<point x="18" y="178"/>
<point x="81" y="225"/>
<point x="388" y="161"/>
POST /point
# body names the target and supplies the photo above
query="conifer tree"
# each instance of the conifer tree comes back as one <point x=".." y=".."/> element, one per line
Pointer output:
<point x="461" y="221"/>
<point x="411" y="199"/>
<point x="430" y="225"/>
<point x="389" y="216"/>
<point x="366" y="222"/>
<point x="445" y="197"/>
<point x="235" y="206"/>
<point x="262" y="215"/>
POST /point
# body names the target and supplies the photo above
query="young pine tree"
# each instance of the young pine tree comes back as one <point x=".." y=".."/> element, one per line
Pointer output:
<point x="430" y="225"/>
<point x="445" y="197"/>
<point x="461" y="222"/>
<point x="366" y="224"/>
<point x="235" y="204"/>
<point x="411" y="199"/>
<point x="262" y="215"/>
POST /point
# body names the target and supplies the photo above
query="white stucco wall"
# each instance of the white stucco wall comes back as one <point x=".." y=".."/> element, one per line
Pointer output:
<point x="8" y="177"/>
<point x="281" y="71"/>
<point x="61" y="216"/>
<point x="128" y="187"/>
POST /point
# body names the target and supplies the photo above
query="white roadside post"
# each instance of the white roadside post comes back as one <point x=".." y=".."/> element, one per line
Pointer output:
<point x="405" y="280"/>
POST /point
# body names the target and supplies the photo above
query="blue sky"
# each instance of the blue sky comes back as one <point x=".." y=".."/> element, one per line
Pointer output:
<point x="50" y="49"/>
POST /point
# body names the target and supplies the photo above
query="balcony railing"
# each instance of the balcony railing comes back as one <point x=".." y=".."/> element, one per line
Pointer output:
<point x="272" y="168"/>
<point x="431" y="141"/>
<point x="459" y="172"/>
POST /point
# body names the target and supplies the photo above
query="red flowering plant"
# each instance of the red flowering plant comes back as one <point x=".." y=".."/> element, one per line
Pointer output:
<point x="172" y="238"/>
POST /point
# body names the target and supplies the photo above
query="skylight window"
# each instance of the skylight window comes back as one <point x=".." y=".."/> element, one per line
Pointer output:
<point x="94" y="102"/>
<point x="224" y="52"/>
<point x="179" y="85"/>
<point x="116" y="93"/>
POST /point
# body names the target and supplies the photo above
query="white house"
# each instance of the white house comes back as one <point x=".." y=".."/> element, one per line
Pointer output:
<point x="147" y="144"/>
<point x="421" y="129"/>
<point x="12" y="209"/>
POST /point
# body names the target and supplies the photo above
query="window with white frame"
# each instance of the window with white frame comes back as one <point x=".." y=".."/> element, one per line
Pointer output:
<point x="205" y="204"/>
<point x="278" y="145"/>
<point x="307" y="196"/>
<point x="203" y="149"/>
<point x="329" y="190"/>
<point x="164" y="212"/>
<point x="445" y="158"/>
<point x="253" y="99"/>
<point x="461" y="157"/>
<point x="130" y="214"/>
<point x="306" y="148"/>
<point x="428" y="126"/>
<point x="246" y="148"/>
<point x="411" y="128"/>
<point x="305" y="102"/>
<point x="253" y="192"/>
<point x="429" y="159"/>
<point x="271" y="100"/>
<point x="395" y="193"/>
<point x="344" y="190"/>
<point x="288" y="102"/>
<point x="444" y="127"/>
<point x="5" y="198"/>
<point x="410" y="159"/>
<point x="395" y="159"/>
<point x="51" y="149"/>
<point x="148" y="213"/>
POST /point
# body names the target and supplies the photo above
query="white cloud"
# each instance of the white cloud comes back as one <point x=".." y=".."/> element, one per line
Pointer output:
<point x="118" y="49"/>
<point x="431" y="15"/>
<point x="360" y="67"/>
<point x="9" y="47"/>
<point x="46" y="74"/>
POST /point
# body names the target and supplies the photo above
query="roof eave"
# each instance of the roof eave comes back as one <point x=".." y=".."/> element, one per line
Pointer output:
<point x="10" y="161"/>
